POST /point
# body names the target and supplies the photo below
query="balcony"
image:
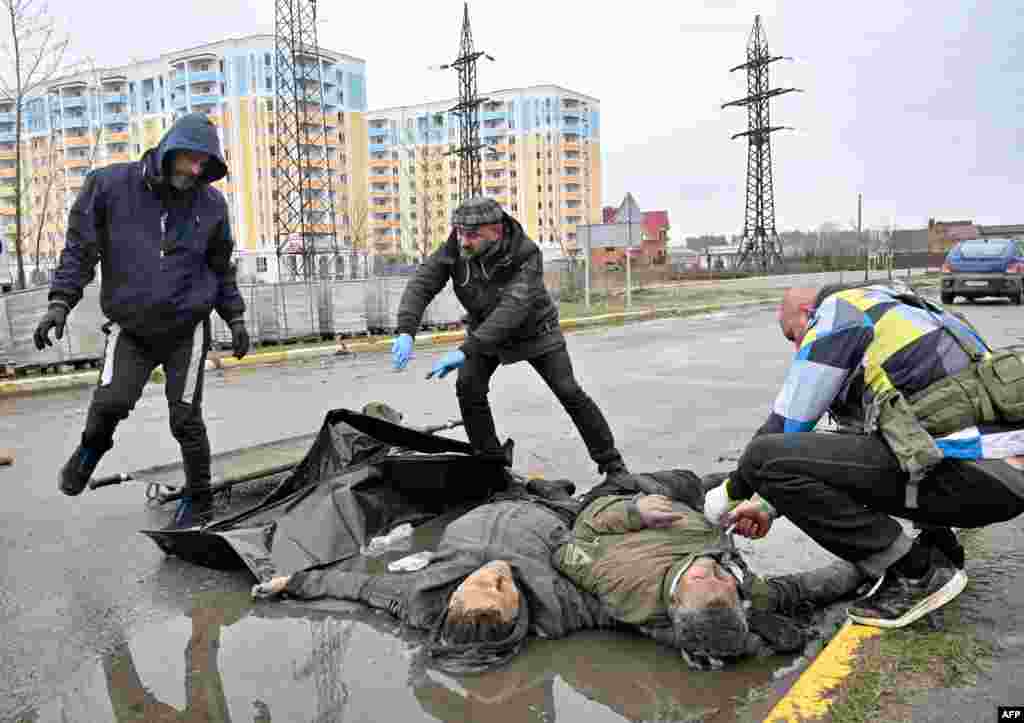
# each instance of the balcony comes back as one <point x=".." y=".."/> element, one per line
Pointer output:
<point x="119" y="137"/>
<point x="379" y="147"/>
<point x="79" y="122"/>
<point x="8" y="155"/>
<point x="118" y="157"/>
<point x="205" y="99"/>
<point x="77" y="163"/>
<point x="78" y="141"/>
<point x="8" y="137"/>
<point x="8" y="117"/>
<point x="73" y="102"/>
<point x="111" y="98"/>
<point x="8" y="211"/>
<point x="6" y="190"/>
<point x="178" y="80"/>
<point x="320" y="163"/>
<point x="570" y="145"/>
<point x="205" y="76"/>
<point x="382" y="163"/>
<point x="487" y="115"/>
<point x="377" y="131"/>
<point x="115" y="118"/>
<point x="498" y="148"/>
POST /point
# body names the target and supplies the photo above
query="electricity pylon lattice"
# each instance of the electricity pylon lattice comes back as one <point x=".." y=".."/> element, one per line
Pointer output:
<point x="304" y="179"/>
<point x="760" y="244"/>
<point x="467" y="112"/>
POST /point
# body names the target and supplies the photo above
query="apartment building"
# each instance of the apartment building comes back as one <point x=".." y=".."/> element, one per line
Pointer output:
<point x="541" y="161"/>
<point x="111" y="115"/>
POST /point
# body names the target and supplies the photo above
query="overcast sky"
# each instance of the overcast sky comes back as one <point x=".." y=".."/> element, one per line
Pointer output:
<point x="917" y="105"/>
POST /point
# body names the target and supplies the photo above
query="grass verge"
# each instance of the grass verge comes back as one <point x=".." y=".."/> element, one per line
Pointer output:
<point x="897" y="664"/>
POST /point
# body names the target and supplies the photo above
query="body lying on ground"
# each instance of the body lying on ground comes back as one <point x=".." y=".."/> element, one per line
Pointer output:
<point x="492" y="580"/>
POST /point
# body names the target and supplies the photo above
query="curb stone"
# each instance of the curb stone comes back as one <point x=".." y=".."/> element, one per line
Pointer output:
<point x="807" y="698"/>
<point x="23" y="387"/>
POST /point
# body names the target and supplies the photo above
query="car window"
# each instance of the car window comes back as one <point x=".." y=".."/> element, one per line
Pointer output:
<point x="985" y="249"/>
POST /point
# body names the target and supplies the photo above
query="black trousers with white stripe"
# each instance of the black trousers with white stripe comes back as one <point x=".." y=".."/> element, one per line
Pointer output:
<point x="128" y="362"/>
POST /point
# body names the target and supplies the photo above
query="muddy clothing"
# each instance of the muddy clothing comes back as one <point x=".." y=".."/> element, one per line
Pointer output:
<point x="523" y="532"/>
<point x="510" y="313"/>
<point x="633" y="569"/>
<point x="165" y="253"/>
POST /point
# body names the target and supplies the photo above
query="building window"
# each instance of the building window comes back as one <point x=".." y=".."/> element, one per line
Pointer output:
<point x="261" y="264"/>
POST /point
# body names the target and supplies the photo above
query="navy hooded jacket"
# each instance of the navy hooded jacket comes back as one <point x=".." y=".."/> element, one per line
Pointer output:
<point x="165" y="253"/>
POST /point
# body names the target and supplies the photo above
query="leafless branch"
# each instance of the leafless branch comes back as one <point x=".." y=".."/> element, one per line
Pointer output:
<point x="34" y="58"/>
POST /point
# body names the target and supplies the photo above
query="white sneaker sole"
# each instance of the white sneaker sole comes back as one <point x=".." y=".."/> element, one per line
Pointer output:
<point x="947" y="593"/>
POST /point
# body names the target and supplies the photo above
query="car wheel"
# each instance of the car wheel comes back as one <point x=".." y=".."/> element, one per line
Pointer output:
<point x="948" y="299"/>
<point x="1017" y="298"/>
<point x="971" y="299"/>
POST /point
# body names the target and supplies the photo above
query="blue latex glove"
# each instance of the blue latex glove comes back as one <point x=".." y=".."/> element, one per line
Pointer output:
<point x="401" y="350"/>
<point x="451" y="360"/>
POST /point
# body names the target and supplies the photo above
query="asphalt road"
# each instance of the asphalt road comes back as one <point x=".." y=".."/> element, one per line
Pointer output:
<point x="96" y="625"/>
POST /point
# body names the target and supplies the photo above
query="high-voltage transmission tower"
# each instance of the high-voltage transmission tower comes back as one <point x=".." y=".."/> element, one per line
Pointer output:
<point x="467" y="113"/>
<point x="304" y="180"/>
<point x="760" y="245"/>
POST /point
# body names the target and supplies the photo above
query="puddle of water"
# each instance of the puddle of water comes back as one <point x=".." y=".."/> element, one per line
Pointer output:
<point x="228" y="658"/>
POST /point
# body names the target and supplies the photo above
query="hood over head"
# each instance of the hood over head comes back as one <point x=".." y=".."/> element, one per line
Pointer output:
<point x="192" y="132"/>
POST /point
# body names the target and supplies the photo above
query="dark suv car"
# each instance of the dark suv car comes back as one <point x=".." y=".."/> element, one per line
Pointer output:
<point x="984" y="267"/>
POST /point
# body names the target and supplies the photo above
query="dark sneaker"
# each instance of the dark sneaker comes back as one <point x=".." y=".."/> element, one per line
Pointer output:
<point x="899" y="601"/>
<point x="192" y="511"/>
<point x="75" y="474"/>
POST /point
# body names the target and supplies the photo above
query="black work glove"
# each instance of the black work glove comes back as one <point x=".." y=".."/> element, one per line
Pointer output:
<point x="53" y="319"/>
<point x="239" y="339"/>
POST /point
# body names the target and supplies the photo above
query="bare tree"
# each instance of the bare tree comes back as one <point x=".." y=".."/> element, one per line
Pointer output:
<point x="34" y="56"/>
<point x="360" y="224"/>
<point x="51" y="193"/>
<point x="426" y="220"/>
<point x="47" y="178"/>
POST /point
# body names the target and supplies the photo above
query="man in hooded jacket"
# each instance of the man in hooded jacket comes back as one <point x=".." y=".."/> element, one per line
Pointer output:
<point x="497" y="273"/>
<point x="163" y="237"/>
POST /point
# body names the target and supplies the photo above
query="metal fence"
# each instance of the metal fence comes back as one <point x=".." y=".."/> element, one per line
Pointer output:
<point x="275" y="314"/>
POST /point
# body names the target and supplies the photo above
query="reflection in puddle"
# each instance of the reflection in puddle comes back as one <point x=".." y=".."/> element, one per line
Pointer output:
<point x="229" y="659"/>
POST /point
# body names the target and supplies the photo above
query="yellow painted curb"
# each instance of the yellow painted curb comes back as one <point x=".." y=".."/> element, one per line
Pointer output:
<point x="806" y="699"/>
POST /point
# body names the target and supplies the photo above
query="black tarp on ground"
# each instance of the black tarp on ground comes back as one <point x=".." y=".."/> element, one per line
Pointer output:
<point x="362" y="477"/>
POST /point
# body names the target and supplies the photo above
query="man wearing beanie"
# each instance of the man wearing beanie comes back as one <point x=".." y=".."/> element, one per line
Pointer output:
<point x="498" y="276"/>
